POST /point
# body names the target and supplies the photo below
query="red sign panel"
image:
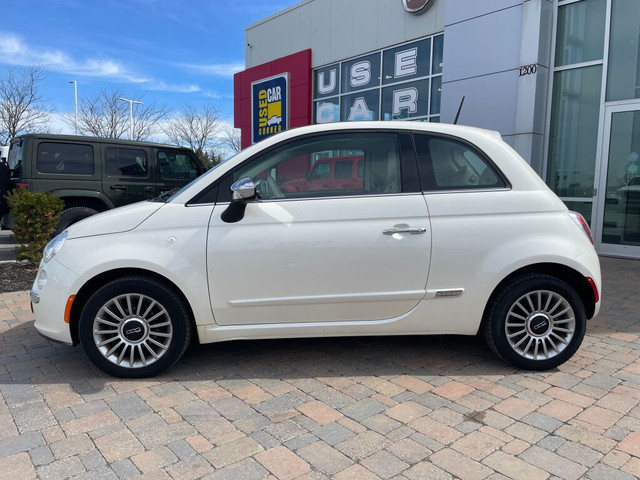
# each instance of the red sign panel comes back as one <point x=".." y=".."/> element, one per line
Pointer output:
<point x="298" y="68"/>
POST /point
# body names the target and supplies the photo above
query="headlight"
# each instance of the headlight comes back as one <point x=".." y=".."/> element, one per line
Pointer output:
<point x="53" y="247"/>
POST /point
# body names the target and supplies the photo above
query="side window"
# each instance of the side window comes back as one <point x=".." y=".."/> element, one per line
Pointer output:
<point x="175" y="165"/>
<point x="323" y="165"/>
<point x="344" y="169"/>
<point x="126" y="162"/>
<point x="65" y="158"/>
<point x="448" y="164"/>
<point x="321" y="170"/>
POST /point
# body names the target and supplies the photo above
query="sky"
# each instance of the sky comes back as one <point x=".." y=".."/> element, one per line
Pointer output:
<point x="171" y="52"/>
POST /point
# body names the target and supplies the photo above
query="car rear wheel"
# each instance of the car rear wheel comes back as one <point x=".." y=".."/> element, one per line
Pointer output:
<point x="536" y="322"/>
<point x="134" y="327"/>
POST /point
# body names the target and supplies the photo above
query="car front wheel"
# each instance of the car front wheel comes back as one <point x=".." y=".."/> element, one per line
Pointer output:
<point x="536" y="322"/>
<point x="134" y="327"/>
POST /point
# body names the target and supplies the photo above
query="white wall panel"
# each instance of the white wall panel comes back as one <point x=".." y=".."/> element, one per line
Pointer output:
<point x="490" y="101"/>
<point x="461" y="10"/>
<point x="339" y="29"/>
<point x="484" y="45"/>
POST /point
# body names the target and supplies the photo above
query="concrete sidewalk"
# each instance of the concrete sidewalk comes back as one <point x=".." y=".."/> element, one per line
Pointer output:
<point x="357" y="408"/>
<point x="7" y="246"/>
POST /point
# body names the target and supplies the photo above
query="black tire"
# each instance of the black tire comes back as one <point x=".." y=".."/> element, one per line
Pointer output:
<point x="5" y="182"/>
<point x="536" y="322"/>
<point x="73" y="215"/>
<point x="160" y="318"/>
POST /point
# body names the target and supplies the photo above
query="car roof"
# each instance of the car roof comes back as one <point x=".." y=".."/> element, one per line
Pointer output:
<point x="82" y="138"/>
<point x="443" y="128"/>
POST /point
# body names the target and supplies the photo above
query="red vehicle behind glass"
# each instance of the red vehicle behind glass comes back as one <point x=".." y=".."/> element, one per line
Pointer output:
<point x="336" y="173"/>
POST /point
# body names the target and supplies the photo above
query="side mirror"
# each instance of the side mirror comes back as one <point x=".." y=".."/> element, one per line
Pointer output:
<point x="243" y="191"/>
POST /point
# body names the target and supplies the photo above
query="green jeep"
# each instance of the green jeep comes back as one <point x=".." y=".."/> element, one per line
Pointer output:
<point x="91" y="174"/>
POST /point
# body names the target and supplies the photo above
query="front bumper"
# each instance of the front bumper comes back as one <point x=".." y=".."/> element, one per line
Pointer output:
<point x="49" y="302"/>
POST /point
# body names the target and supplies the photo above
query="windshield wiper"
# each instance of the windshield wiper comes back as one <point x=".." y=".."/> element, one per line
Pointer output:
<point x="164" y="195"/>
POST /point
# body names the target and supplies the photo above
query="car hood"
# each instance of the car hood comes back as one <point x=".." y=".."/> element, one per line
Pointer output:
<point x="117" y="220"/>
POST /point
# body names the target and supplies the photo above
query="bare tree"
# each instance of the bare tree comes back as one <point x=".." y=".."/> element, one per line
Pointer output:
<point x="196" y="128"/>
<point x="147" y="120"/>
<point x="105" y="116"/>
<point x="22" y="108"/>
<point x="230" y="139"/>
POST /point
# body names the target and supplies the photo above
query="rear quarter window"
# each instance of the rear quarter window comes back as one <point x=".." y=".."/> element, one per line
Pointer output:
<point x="65" y="158"/>
<point x="450" y="164"/>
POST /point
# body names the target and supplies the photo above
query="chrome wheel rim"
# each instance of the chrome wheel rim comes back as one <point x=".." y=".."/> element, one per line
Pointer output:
<point x="132" y="330"/>
<point x="540" y="325"/>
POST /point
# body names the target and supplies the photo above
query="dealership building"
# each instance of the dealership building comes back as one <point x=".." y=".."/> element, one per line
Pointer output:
<point x="559" y="79"/>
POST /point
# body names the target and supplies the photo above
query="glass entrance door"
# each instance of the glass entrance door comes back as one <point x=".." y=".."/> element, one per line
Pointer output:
<point x="618" y="216"/>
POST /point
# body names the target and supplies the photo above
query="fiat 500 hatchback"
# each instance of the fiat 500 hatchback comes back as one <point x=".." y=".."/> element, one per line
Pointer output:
<point x="448" y="231"/>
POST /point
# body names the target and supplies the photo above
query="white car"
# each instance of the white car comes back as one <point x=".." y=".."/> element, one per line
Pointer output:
<point x="448" y="231"/>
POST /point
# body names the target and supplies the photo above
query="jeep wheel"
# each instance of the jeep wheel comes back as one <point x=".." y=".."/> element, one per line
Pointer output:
<point x="4" y="187"/>
<point x="73" y="215"/>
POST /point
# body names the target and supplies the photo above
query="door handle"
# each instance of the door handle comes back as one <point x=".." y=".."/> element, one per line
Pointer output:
<point x="410" y="230"/>
<point x="118" y="187"/>
<point x="148" y="189"/>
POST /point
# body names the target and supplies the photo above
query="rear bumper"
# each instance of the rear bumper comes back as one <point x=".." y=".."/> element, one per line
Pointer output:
<point x="590" y="268"/>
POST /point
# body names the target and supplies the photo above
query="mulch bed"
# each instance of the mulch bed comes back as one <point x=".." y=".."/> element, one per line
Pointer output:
<point x="16" y="276"/>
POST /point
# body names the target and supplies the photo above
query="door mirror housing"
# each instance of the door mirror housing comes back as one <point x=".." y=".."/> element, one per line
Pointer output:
<point x="242" y="192"/>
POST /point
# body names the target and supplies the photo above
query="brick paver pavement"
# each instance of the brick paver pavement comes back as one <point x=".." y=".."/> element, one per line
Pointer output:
<point x="358" y="408"/>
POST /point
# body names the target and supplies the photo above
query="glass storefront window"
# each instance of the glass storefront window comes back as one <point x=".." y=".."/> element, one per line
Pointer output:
<point x="574" y="131"/>
<point x="622" y="202"/>
<point x="437" y="55"/>
<point x="360" y="73"/>
<point x="583" y="208"/>
<point x="400" y="82"/>
<point x="404" y="101"/>
<point x="436" y="91"/>
<point x="406" y="62"/>
<point x="623" y="77"/>
<point x="361" y="106"/>
<point x="580" y="36"/>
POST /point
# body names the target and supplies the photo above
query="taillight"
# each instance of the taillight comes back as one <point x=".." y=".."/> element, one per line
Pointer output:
<point x="594" y="288"/>
<point x="22" y="186"/>
<point x="582" y="223"/>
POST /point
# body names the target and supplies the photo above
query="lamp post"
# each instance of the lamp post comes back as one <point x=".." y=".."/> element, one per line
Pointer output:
<point x="75" y="96"/>
<point x="131" y="102"/>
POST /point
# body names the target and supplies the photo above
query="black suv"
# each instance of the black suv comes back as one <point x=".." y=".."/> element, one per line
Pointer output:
<point x="91" y="174"/>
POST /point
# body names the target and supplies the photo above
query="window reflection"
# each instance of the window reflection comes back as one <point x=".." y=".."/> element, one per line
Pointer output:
<point x="574" y="131"/>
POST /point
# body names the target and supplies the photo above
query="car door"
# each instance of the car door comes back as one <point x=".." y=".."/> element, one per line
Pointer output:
<point x="341" y="255"/>
<point x="128" y="174"/>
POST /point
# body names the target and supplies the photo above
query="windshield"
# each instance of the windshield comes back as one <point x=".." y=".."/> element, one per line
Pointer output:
<point x="15" y="157"/>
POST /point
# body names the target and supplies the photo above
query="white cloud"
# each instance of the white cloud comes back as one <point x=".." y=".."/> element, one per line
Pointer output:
<point x="14" y="51"/>
<point x="169" y="87"/>
<point x="225" y="70"/>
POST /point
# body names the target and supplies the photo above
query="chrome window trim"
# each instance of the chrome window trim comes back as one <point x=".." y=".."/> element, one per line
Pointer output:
<point x="335" y="197"/>
<point x="467" y="190"/>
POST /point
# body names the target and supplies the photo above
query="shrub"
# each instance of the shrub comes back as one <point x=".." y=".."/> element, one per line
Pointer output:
<point x="36" y="216"/>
